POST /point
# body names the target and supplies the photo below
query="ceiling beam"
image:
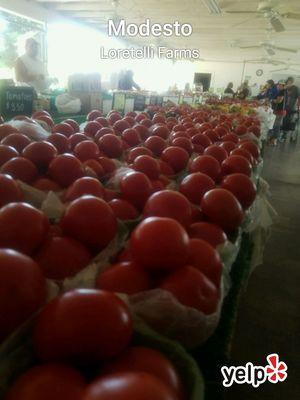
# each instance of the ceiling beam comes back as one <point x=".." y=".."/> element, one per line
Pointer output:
<point x="78" y="6"/>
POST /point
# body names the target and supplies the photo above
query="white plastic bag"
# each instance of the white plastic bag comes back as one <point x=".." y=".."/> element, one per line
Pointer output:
<point x="67" y="104"/>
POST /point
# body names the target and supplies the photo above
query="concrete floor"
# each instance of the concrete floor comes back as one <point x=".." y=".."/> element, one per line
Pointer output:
<point x="269" y="314"/>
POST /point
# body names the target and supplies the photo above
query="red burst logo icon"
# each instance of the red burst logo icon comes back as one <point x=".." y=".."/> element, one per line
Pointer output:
<point x="276" y="370"/>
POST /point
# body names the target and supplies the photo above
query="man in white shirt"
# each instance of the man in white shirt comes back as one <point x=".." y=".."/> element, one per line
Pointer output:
<point x="29" y="69"/>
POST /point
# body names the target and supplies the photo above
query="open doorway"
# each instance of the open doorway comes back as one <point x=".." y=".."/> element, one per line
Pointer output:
<point x="203" y="79"/>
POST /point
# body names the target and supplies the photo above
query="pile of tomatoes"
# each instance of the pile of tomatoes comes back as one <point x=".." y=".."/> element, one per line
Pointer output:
<point x="184" y="179"/>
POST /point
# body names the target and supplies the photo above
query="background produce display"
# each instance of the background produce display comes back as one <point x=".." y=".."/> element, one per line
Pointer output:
<point x="150" y="206"/>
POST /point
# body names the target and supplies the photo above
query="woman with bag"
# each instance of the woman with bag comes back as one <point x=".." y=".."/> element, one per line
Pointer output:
<point x="278" y="105"/>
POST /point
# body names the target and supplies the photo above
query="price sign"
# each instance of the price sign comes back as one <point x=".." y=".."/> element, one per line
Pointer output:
<point x="139" y="102"/>
<point x="16" y="100"/>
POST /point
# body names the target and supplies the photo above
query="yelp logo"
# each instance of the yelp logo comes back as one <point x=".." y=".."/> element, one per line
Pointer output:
<point x="275" y="371"/>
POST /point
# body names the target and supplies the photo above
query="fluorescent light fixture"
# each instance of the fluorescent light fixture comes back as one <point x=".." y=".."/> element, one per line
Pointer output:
<point x="276" y="24"/>
<point x="212" y="6"/>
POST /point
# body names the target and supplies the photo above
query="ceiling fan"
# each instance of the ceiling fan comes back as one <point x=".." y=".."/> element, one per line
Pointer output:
<point x="271" y="10"/>
<point x="267" y="60"/>
<point x="287" y="68"/>
<point x="269" y="48"/>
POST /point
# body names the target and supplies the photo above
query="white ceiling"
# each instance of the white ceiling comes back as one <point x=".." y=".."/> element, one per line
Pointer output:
<point x="217" y="36"/>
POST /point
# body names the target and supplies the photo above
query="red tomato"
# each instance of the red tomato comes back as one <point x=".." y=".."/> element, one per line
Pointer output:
<point x="84" y="186"/>
<point x="84" y="326"/>
<point x="251" y="147"/>
<point x="62" y="257"/>
<point x="148" y="165"/>
<point x="241" y="130"/>
<point x="73" y="123"/>
<point x="6" y="129"/>
<point x="157" y="185"/>
<point x="236" y="164"/>
<point x="111" y="145"/>
<point x="242" y="187"/>
<point x="178" y="127"/>
<point x="76" y="138"/>
<point x="96" y="167"/>
<point x="131" y="136"/>
<point x="205" y="258"/>
<point x="48" y="382"/>
<point x="160" y="130"/>
<point x="165" y="168"/>
<point x="20" y="168"/>
<point x="176" y="157"/>
<point x="22" y="290"/>
<point x="65" y="169"/>
<point x="40" y="153"/>
<point x="170" y="204"/>
<point x="208" y="165"/>
<point x="222" y="208"/>
<point x="9" y="190"/>
<point x="111" y="194"/>
<point x="86" y="150"/>
<point x="107" y="164"/>
<point x="127" y="386"/>
<point x="123" y="210"/>
<point x="146" y="122"/>
<point x="184" y="143"/>
<point x="228" y="146"/>
<point x="40" y="112"/>
<point x="217" y="152"/>
<point x="113" y="117"/>
<point x="121" y="125"/>
<point x="136" y="152"/>
<point x="178" y="134"/>
<point x="221" y="131"/>
<point x="143" y="131"/>
<point x="136" y="187"/>
<point x="92" y="115"/>
<point x="102" y="121"/>
<point x="130" y="120"/>
<point x="14" y="217"/>
<point x="7" y="153"/>
<point x="212" y="135"/>
<point x="17" y="141"/>
<point x="192" y="289"/>
<point x="211" y="233"/>
<point x="243" y="153"/>
<point x="63" y="128"/>
<point x="59" y="141"/>
<point x="144" y="359"/>
<point x="156" y="144"/>
<point x="158" y="119"/>
<point x="192" y="131"/>
<point x="230" y="137"/>
<point x="126" y="277"/>
<point x="91" y="221"/>
<point x="201" y="140"/>
<point x="159" y="244"/>
<point x="102" y="132"/>
<point x="46" y="185"/>
<point x="91" y="128"/>
<point x="195" y="185"/>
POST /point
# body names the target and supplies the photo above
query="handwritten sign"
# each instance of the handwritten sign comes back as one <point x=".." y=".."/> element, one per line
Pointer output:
<point x="16" y="100"/>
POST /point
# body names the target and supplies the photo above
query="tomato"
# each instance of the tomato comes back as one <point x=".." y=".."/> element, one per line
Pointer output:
<point x="76" y="138"/>
<point x="113" y="117"/>
<point x="102" y="132"/>
<point x="22" y="290"/>
<point x="39" y="113"/>
<point x="242" y="187"/>
<point x="126" y="277"/>
<point x="221" y="131"/>
<point x="91" y="128"/>
<point x="6" y="129"/>
<point x="217" y="152"/>
<point x="236" y="164"/>
<point x="206" y="164"/>
<point x="96" y="168"/>
<point x="146" y="122"/>
<point x="178" y="134"/>
<point x="92" y="115"/>
<point x="201" y="140"/>
<point x="107" y="164"/>
<point x="212" y="135"/>
<point x="159" y="244"/>
<point x="46" y="185"/>
<point x="121" y="125"/>
<point x="47" y="120"/>
<point x="170" y="204"/>
<point x="230" y="137"/>
<point x="156" y="144"/>
<point x="17" y="141"/>
<point x="136" y="187"/>
<point x="91" y="221"/>
<point x="86" y="150"/>
<point x="144" y="359"/>
<point x="184" y="143"/>
<point x="102" y="121"/>
<point x="195" y="185"/>
<point x="62" y="257"/>
<point x="22" y="227"/>
<point x="65" y="169"/>
<point x="84" y="326"/>
<point x="158" y="119"/>
<point x="7" y="153"/>
<point x="165" y="168"/>
<point x="63" y="128"/>
<point x="222" y="208"/>
<point x="130" y="120"/>
<point x="73" y="123"/>
<point x="157" y="185"/>
<point x="129" y="386"/>
<point x="192" y="131"/>
<point x="84" y="186"/>
<point x="59" y="141"/>
<point x="48" y="382"/>
<point x="211" y="233"/>
<point x="148" y="165"/>
<point x="9" y="190"/>
<point x="131" y="136"/>
<point x="204" y="257"/>
<point x="251" y="147"/>
<point x="111" y="145"/>
<point x="161" y="131"/>
<point x="40" y="153"/>
<point x="228" y="146"/>
<point x="176" y="157"/>
<point x="123" y="210"/>
<point x="20" y="168"/>
<point x="241" y="130"/>
<point x="192" y="289"/>
<point x="244" y="153"/>
<point x="143" y="131"/>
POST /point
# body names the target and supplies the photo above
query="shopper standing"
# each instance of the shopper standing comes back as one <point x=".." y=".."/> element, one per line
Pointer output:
<point x="229" y="89"/>
<point x="278" y="105"/>
<point x="292" y="99"/>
